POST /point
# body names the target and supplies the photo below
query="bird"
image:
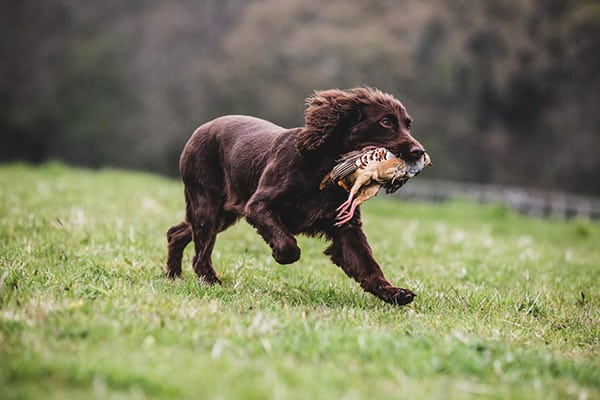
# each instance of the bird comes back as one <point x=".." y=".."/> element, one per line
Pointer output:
<point x="362" y="173"/>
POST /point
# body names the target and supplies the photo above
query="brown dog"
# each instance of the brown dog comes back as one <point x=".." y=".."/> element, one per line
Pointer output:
<point x="239" y="166"/>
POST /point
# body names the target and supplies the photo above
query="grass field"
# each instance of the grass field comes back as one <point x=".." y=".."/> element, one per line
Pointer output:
<point x="507" y="306"/>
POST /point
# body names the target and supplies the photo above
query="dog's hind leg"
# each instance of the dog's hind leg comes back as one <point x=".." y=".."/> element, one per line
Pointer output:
<point x="178" y="237"/>
<point x="203" y="214"/>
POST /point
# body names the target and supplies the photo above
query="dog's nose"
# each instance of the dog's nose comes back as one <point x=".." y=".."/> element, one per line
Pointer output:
<point x="417" y="152"/>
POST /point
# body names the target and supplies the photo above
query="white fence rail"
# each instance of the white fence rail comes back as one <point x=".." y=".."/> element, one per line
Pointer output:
<point x="540" y="203"/>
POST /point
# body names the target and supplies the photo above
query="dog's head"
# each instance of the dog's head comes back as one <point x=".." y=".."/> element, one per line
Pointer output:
<point x="345" y="120"/>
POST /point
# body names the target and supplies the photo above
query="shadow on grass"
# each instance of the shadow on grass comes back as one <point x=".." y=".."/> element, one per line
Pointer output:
<point x="268" y="293"/>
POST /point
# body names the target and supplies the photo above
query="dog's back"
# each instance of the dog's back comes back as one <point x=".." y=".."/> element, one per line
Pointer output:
<point x="228" y="155"/>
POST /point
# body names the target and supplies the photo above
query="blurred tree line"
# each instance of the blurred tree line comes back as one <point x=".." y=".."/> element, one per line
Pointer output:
<point x="502" y="91"/>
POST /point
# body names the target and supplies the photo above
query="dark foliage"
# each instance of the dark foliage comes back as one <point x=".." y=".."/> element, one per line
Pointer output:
<point x="502" y="91"/>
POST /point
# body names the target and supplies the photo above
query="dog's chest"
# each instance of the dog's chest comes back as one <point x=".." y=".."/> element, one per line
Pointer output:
<point x="301" y="213"/>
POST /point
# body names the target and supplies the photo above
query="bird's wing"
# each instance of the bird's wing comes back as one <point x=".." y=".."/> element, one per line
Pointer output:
<point x="351" y="161"/>
<point x="346" y="165"/>
<point x="354" y="160"/>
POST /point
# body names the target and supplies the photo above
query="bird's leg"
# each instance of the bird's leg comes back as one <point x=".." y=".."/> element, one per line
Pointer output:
<point x="342" y="209"/>
<point x="361" y="180"/>
<point x="344" y="217"/>
<point x="363" y="195"/>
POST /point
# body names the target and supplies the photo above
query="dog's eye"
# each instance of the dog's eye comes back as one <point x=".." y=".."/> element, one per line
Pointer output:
<point x="408" y="123"/>
<point x="386" y="123"/>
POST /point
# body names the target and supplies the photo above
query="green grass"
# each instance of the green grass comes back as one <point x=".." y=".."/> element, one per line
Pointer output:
<point x="507" y="306"/>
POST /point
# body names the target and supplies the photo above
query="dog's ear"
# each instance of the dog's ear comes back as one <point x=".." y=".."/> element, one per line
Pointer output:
<point x="325" y="114"/>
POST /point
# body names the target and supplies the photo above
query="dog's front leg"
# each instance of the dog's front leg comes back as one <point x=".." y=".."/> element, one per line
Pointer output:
<point x="351" y="251"/>
<point x="260" y="214"/>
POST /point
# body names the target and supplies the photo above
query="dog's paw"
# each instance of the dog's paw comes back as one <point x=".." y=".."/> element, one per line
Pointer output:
<point x="210" y="280"/>
<point x="173" y="273"/>
<point x="398" y="296"/>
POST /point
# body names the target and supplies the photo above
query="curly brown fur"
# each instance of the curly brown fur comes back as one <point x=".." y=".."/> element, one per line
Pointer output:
<point x="240" y="166"/>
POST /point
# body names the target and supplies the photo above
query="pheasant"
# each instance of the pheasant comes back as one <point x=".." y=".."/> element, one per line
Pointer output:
<point x="364" y="172"/>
